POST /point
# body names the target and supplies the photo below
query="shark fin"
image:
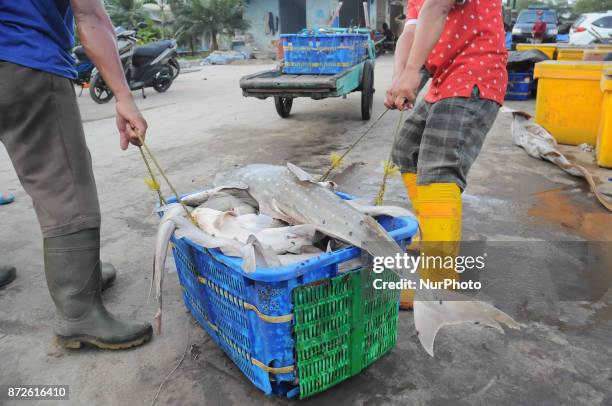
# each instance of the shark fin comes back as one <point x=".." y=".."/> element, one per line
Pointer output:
<point x="304" y="176"/>
<point x="277" y="211"/>
<point x="301" y="174"/>
<point x="430" y="316"/>
<point x="374" y="211"/>
<point x="254" y="254"/>
<point x="263" y="255"/>
<point x="249" y="263"/>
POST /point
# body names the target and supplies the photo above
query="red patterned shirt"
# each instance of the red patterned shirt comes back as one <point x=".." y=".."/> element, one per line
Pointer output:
<point x="471" y="51"/>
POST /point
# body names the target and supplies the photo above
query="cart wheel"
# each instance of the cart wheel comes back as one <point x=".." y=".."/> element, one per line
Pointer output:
<point x="283" y="106"/>
<point x="367" y="90"/>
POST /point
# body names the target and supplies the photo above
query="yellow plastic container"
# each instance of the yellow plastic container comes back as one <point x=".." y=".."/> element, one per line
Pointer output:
<point x="574" y="46"/>
<point x="569" y="99"/>
<point x="548" y="49"/>
<point x="604" y="136"/>
<point x="570" y="54"/>
<point x="595" y="54"/>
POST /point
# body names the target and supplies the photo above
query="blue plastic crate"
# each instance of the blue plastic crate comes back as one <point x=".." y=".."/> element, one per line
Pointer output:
<point x="247" y="314"/>
<point x="322" y="54"/>
<point x="519" y="85"/>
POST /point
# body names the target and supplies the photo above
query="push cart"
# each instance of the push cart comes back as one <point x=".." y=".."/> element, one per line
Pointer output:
<point x="284" y="87"/>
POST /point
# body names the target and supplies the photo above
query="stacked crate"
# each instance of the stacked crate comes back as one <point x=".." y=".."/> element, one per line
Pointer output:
<point x="322" y="54"/>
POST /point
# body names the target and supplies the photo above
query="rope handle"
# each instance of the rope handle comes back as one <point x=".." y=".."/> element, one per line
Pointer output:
<point x="389" y="167"/>
<point x="163" y="174"/>
<point x="353" y="145"/>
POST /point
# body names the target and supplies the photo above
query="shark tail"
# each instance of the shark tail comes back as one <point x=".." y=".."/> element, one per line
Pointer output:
<point x="430" y="316"/>
<point x="166" y="228"/>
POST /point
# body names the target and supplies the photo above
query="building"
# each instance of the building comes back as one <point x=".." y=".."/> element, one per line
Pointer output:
<point x="270" y="18"/>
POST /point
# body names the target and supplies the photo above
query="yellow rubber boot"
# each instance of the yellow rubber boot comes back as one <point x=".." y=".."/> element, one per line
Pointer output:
<point x="440" y="220"/>
<point x="410" y="183"/>
<point x="439" y="214"/>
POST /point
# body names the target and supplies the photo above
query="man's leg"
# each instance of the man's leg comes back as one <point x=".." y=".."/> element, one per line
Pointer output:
<point x="406" y="155"/>
<point x="406" y="147"/>
<point x="453" y="137"/>
<point x="408" y="144"/>
<point x="41" y="128"/>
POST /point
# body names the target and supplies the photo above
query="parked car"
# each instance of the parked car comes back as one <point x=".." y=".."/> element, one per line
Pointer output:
<point x="591" y="27"/>
<point x="521" y="32"/>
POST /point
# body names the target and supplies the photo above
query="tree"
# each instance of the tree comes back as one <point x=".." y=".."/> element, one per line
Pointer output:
<point x="562" y="7"/>
<point x="148" y="34"/>
<point x="197" y="17"/>
<point x="589" y="6"/>
<point x="163" y="8"/>
<point x="126" y="13"/>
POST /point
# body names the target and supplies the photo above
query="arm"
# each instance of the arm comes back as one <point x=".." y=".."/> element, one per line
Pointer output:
<point x="432" y="19"/>
<point x="402" y="50"/>
<point x="98" y="38"/>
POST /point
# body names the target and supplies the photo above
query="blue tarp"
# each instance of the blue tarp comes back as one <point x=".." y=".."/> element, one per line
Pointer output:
<point x="226" y="57"/>
<point x="562" y="37"/>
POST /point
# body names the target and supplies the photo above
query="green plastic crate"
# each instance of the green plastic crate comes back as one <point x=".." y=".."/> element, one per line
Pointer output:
<point x="342" y="325"/>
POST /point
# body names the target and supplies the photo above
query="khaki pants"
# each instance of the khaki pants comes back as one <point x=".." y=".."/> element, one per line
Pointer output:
<point x="40" y="126"/>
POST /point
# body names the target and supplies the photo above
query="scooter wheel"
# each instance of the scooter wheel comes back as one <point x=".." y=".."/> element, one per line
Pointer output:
<point x="99" y="92"/>
<point x="162" y="83"/>
<point x="175" y="66"/>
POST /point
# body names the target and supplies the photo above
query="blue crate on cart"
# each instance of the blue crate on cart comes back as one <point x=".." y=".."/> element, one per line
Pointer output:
<point x="519" y="85"/>
<point x="322" y="53"/>
<point x="249" y="315"/>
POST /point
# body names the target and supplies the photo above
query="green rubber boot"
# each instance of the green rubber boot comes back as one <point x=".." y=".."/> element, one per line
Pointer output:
<point x="72" y="267"/>
<point x="7" y="275"/>
<point x="109" y="274"/>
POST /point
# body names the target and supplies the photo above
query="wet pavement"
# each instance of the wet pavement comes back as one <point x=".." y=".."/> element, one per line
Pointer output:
<point x="202" y="126"/>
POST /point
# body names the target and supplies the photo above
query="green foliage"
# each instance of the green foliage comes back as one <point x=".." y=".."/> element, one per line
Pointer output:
<point x="126" y="13"/>
<point x="149" y="34"/>
<point x="563" y="7"/>
<point x="162" y="8"/>
<point x="521" y="4"/>
<point x="192" y="18"/>
<point x="213" y="17"/>
<point x="591" y="6"/>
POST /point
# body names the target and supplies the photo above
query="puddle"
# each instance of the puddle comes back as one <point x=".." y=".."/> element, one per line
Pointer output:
<point x="554" y="206"/>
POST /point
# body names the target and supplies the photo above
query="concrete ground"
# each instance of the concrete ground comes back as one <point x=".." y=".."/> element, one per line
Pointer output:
<point x="202" y="126"/>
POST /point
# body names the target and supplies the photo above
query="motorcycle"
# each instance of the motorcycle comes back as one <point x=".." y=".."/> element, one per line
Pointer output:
<point x="153" y="65"/>
<point x="83" y="66"/>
